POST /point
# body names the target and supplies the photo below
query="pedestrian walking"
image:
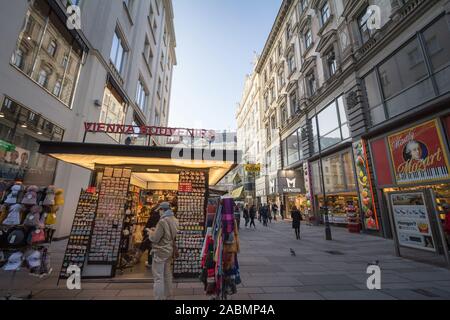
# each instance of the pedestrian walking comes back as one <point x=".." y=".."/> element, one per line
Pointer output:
<point x="237" y="216"/>
<point x="259" y="213"/>
<point x="264" y="214"/>
<point x="274" y="211"/>
<point x="282" y="208"/>
<point x="296" y="219"/>
<point x="269" y="214"/>
<point x="246" y="215"/>
<point x="163" y="251"/>
<point x="252" y="216"/>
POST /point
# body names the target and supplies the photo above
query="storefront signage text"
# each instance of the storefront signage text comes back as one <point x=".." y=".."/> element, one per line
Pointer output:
<point x="253" y="167"/>
<point x="418" y="154"/>
<point x="148" y="130"/>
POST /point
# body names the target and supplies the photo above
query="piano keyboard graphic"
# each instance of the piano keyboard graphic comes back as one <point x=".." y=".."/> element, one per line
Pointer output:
<point x="428" y="174"/>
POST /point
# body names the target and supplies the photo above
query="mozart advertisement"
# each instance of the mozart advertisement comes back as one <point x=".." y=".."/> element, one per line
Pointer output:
<point x="418" y="154"/>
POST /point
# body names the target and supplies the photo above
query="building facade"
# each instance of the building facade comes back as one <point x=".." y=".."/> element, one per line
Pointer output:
<point x="355" y="100"/>
<point x="250" y="137"/>
<point x="117" y="68"/>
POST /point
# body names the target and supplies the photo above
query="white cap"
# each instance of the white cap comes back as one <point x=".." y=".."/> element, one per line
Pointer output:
<point x="34" y="259"/>
<point x="14" y="261"/>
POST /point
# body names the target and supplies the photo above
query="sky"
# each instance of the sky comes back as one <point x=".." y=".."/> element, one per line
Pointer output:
<point x="216" y="42"/>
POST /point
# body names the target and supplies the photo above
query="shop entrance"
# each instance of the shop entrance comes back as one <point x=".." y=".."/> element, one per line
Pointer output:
<point x="127" y="185"/>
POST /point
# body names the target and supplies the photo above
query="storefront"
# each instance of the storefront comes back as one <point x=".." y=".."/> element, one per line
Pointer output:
<point x="412" y="174"/>
<point x="291" y="184"/>
<point x="126" y="180"/>
<point x="341" y="194"/>
<point x="20" y="129"/>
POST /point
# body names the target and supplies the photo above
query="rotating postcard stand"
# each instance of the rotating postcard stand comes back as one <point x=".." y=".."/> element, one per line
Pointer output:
<point x="415" y="222"/>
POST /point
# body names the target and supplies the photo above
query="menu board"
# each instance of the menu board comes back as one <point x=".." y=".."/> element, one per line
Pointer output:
<point x="411" y="220"/>
<point x="80" y="234"/>
<point x="113" y="193"/>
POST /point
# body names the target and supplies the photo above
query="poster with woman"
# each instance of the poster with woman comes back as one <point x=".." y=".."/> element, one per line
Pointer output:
<point x="418" y="154"/>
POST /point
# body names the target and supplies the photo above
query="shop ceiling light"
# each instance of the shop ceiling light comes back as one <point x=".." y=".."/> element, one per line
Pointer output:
<point x="23" y="125"/>
<point x="2" y="115"/>
<point x="39" y="133"/>
<point x="153" y="170"/>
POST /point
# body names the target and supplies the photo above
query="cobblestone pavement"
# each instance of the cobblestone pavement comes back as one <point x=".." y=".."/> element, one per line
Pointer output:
<point x="319" y="270"/>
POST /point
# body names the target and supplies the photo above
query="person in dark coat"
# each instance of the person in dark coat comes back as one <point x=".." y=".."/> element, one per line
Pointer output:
<point x="246" y="215"/>
<point x="296" y="218"/>
<point x="252" y="216"/>
<point x="264" y="214"/>
<point x="146" y="243"/>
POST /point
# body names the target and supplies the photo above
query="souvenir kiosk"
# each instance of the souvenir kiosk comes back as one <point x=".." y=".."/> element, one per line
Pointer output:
<point x="104" y="220"/>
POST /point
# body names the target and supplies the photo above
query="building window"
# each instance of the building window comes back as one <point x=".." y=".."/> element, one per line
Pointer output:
<point x="332" y="124"/>
<point x="272" y="94"/>
<point x="159" y="86"/>
<point x="280" y="51"/>
<point x="141" y="96"/>
<point x="331" y="63"/>
<point x="113" y="110"/>
<point x="284" y="115"/>
<point x="364" y="31"/>
<point x="118" y="52"/>
<point x="291" y="63"/>
<point x="18" y="59"/>
<point x="325" y="13"/>
<point x="288" y="32"/>
<point x="266" y="100"/>
<point x="281" y="80"/>
<point x="311" y="83"/>
<point x="303" y="5"/>
<point x="51" y="49"/>
<point x="308" y="38"/>
<point x="59" y="53"/>
<point x="25" y="163"/>
<point x="292" y="147"/>
<point x="43" y="78"/>
<point x="57" y="88"/>
<point x="294" y="103"/>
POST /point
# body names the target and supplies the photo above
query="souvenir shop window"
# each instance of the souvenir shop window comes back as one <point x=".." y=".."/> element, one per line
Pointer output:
<point x="19" y="157"/>
<point x="315" y="170"/>
<point x="113" y="109"/>
<point x="334" y="174"/>
<point x="347" y="163"/>
<point x="55" y="63"/>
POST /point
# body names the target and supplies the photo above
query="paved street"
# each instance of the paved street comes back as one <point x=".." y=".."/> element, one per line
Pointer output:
<point x="319" y="270"/>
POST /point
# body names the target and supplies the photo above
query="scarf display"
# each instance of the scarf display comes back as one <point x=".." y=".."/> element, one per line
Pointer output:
<point x="220" y="267"/>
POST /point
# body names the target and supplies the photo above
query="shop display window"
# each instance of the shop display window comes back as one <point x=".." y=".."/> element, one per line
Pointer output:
<point x="20" y="129"/>
<point x="47" y="53"/>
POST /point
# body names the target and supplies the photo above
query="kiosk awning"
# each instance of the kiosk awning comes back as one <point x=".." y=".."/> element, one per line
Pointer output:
<point x="143" y="158"/>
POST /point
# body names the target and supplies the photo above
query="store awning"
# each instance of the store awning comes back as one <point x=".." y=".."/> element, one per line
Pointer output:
<point x="237" y="193"/>
<point x="143" y="158"/>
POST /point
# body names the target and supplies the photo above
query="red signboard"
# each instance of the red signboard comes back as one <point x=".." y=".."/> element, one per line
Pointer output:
<point x="381" y="162"/>
<point x="148" y="130"/>
<point x="185" y="187"/>
<point x="418" y="154"/>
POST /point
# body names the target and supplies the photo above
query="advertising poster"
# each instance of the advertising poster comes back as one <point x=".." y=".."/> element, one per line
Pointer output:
<point x="368" y="210"/>
<point x="411" y="220"/>
<point x="418" y="154"/>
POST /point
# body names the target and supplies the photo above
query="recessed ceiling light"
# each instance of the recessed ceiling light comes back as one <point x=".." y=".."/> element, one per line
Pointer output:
<point x="2" y="115"/>
<point x="39" y="133"/>
<point x="153" y="170"/>
<point x="23" y="125"/>
<point x="28" y="38"/>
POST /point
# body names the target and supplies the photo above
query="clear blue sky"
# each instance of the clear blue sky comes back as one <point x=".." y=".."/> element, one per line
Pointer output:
<point x="215" y="44"/>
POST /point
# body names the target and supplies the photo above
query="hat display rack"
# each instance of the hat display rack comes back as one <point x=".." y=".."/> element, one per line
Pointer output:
<point x="28" y="216"/>
<point x="191" y="215"/>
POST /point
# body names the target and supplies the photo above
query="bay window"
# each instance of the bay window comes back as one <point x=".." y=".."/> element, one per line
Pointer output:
<point x="118" y="52"/>
<point x="113" y="109"/>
